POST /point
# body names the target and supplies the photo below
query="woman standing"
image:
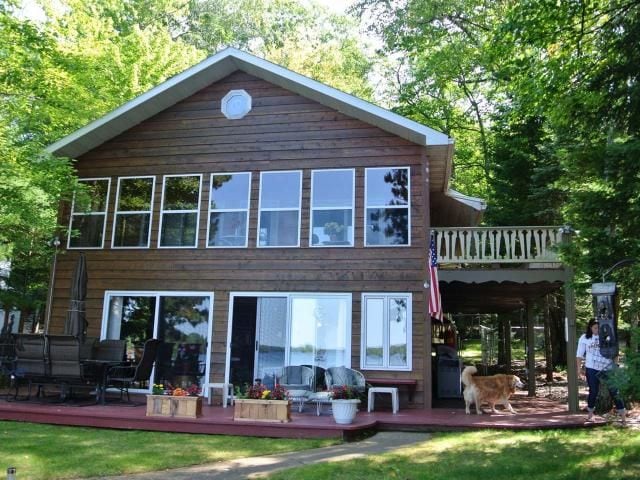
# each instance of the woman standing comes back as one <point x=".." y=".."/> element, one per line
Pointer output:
<point x="592" y="365"/>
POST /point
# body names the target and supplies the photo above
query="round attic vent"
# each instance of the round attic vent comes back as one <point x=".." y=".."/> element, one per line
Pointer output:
<point x="236" y="104"/>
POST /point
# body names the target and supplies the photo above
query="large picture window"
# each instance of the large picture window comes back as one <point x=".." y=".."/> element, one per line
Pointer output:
<point x="132" y="219"/>
<point x="387" y="201"/>
<point x="279" y="219"/>
<point x="229" y="210"/>
<point x="386" y="331"/>
<point x="332" y="200"/>
<point x="182" y="321"/>
<point x="89" y="213"/>
<point x="180" y="211"/>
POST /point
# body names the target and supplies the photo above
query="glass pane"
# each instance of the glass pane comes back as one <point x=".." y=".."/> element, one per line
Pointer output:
<point x="387" y="187"/>
<point x="374" y="332"/>
<point x="183" y="327"/>
<point x="279" y="229"/>
<point x="319" y="328"/>
<point x="387" y="226"/>
<point x="280" y="190"/>
<point x="91" y="196"/>
<point x="132" y="230"/>
<point x="135" y="194"/>
<point x="89" y="230"/>
<point x="332" y="227"/>
<point x="131" y="319"/>
<point x="332" y="189"/>
<point x="179" y="230"/>
<point x="230" y="191"/>
<point x="397" y="332"/>
<point x="271" y="337"/>
<point x="181" y="193"/>
<point x="228" y="229"/>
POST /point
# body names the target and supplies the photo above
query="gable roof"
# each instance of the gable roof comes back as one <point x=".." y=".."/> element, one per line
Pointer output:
<point x="219" y="66"/>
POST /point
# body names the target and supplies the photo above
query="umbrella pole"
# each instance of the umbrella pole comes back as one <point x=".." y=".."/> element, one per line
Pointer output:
<point x="52" y="277"/>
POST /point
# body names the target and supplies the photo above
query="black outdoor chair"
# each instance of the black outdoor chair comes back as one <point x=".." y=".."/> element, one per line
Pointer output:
<point x="31" y="364"/>
<point x="123" y="377"/>
<point x="109" y="349"/>
<point x="66" y="368"/>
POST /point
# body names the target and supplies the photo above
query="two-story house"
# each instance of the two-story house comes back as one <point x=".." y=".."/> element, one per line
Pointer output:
<point x="252" y="218"/>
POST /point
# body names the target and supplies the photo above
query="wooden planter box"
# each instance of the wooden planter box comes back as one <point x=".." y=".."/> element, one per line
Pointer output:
<point x="277" y="411"/>
<point x="170" y="406"/>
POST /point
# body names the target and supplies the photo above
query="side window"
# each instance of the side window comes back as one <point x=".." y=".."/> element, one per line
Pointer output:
<point x="229" y="210"/>
<point x="89" y="213"/>
<point x="279" y="217"/>
<point x="386" y="332"/>
<point x="180" y="211"/>
<point x="332" y="203"/>
<point x="132" y="219"/>
<point x="387" y="207"/>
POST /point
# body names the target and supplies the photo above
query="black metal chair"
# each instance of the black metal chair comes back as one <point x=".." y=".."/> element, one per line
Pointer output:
<point x="109" y="349"/>
<point x="123" y="377"/>
<point x="66" y="368"/>
<point x="31" y="364"/>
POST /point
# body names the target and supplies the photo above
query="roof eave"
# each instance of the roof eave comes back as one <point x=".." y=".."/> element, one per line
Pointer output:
<point x="219" y="66"/>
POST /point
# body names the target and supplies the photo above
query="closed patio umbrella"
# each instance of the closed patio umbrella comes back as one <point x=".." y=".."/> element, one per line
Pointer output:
<point x="76" y="322"/>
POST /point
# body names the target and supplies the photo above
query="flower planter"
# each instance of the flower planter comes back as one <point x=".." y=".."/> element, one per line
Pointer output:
<point x="248" y="409"/>
<point x="344" y="411"/>
<point x="170" y="406"/>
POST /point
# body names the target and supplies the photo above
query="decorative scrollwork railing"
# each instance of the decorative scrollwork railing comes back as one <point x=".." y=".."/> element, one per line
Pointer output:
<point x="497" y="244"/>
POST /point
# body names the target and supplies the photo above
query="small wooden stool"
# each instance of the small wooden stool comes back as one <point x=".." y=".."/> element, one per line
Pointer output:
<point x="227" y="392"/>
<point x="391" y="390"/>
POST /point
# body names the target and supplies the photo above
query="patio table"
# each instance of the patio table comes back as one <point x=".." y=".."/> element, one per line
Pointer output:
<point x="319" y="398"/>
<point x="101" y="367"/>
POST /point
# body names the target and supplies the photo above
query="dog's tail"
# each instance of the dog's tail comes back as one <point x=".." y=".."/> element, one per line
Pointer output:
<point x="467" y="373"/>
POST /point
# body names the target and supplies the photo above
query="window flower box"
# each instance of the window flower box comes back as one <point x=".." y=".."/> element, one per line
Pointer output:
<point x="174" y="406"/>
<point x="249" y="409"/>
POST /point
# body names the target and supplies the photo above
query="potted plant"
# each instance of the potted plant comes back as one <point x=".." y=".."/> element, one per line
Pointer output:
<point x="334" y="230"/>
<point x="259" y="403"/>
<point x="174" y="402"/>
<point x="344" y="404"/>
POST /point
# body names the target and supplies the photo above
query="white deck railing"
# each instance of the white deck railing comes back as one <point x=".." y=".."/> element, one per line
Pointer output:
<point x="497" y="244"/>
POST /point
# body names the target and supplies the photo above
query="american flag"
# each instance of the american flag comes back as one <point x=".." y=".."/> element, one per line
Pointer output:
<point x="435" y="305"/>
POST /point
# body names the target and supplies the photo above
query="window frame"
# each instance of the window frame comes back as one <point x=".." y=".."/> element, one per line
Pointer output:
<point x="105" y="212"/>
<point x="398" y="207"/>
<point x="150" y="211"/>
<point x="353" y="207"/>
<point x="386" y="296"/>
<point x="222" y="210"/>
<point x="260" y="209"/>
<point x="163" y="211"/>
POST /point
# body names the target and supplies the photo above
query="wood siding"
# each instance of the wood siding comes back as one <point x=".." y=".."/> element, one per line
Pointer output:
<point x="283" y="131"/>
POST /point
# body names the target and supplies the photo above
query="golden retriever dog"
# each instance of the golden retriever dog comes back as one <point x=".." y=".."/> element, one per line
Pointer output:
<point x="493" y="389"/>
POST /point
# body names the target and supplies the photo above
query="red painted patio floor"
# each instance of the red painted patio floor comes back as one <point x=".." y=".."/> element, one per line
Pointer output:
<point x="533" y="413"/>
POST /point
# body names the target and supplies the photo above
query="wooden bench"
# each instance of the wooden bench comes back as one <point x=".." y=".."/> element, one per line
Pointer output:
<point x="410" y="383"/>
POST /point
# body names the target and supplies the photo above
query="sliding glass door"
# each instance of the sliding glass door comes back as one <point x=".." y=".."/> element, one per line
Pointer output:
<point x="182" y="321"/>
<point x="294" y="329"/>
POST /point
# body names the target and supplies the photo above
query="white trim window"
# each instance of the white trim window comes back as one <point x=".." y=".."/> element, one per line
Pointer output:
<point x="332" y="201"/>
<point x="182" y="321"/>
<point x="279" y="209"/>
<point x="180" y="211"/>
<point x="133" y="213"/>
<point x="88" y="217"/>
<point x="229" y="210"/>
<point x="387" y="219"/>
<point x="386" y="331"/>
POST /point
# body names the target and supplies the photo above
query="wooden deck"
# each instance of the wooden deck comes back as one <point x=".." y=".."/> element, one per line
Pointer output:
<point x="533" y="413"/>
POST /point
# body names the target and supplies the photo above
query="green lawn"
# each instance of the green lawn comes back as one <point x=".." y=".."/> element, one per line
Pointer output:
<point x="592" y="454"/>
<point x="48" y="452"/>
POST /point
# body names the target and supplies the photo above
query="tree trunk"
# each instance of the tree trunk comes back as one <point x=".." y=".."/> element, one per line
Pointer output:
<point x="548" y="351"/>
